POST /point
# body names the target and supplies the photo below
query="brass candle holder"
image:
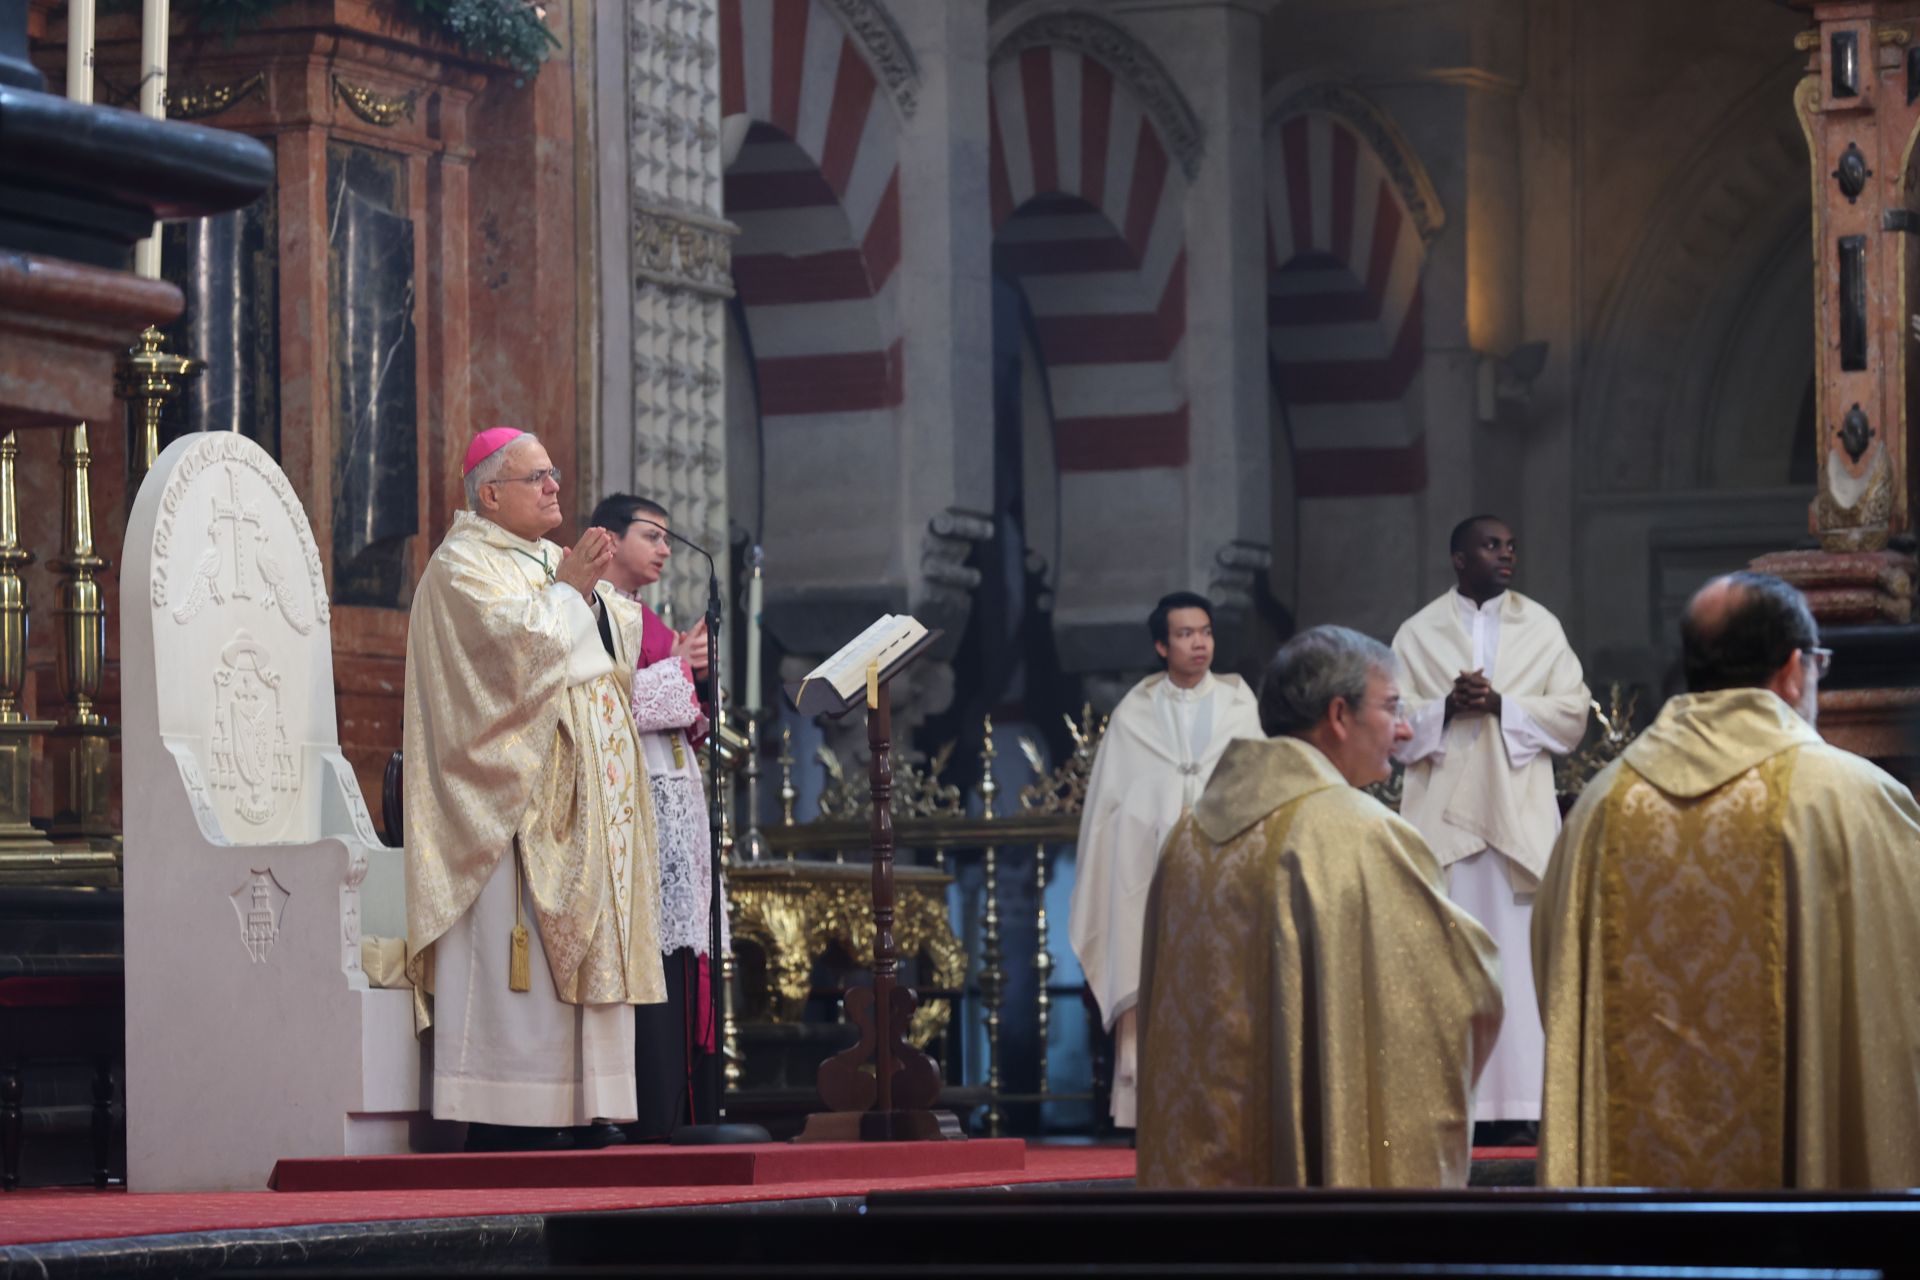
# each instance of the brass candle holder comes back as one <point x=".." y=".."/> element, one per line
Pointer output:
<point x="146" y="377"/>
<point x="24" y="848"/>
<point x="81" y="747"/>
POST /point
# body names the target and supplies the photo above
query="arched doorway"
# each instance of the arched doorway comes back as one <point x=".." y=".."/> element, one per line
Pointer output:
<point x="815" y="192"/>
<point x="1349" y="214"/>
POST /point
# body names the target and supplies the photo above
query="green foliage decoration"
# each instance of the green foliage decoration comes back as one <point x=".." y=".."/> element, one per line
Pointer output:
<point x="510" y="31"/>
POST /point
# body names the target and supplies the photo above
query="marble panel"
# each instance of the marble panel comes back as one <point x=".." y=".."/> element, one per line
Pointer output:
<point x="227" y="267"/>
<point x="375" y="452"/>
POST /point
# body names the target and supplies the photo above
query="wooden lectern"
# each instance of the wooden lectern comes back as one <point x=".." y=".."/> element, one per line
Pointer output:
<point x="883" y="1089"/>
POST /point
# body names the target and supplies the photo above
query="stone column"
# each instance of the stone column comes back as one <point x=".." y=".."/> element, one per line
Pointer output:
<point x="679" y="267"/>
<point x="1212" y="48"/>
<point x="946" y="297"/>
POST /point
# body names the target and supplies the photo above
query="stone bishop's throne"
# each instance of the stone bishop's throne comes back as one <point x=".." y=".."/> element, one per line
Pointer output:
<point x="252" y="866"/>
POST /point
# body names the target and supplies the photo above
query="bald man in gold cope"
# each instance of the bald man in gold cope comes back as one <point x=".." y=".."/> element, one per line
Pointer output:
<point x="1727" y="940"/>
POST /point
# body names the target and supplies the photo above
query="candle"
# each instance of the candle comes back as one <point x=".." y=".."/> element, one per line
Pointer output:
<point x="155" y="15"/>
<point x="751" y="702"/>
<point x="80" y="50"/>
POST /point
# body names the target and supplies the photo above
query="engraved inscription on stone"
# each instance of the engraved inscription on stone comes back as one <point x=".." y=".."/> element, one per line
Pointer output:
<point x="259" y="903"/>
<point x="244" y="553"/>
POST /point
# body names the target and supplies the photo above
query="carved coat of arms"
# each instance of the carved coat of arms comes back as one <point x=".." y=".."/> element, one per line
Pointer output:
<point x="259" y="903"/>
<point x="251" y="755"/>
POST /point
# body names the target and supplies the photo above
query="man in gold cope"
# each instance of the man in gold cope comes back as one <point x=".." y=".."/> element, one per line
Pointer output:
<point x="1313" y="1009"/>
<point x="531" y="869"/>
<point x="1727" y="938"/>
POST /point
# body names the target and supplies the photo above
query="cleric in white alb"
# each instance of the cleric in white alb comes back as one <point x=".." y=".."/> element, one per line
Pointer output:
<point x="1493" y="692"/>
<point x="1155" y="758"/>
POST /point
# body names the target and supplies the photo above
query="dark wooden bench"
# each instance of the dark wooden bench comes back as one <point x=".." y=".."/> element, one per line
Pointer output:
<point x="60" y="1008"/>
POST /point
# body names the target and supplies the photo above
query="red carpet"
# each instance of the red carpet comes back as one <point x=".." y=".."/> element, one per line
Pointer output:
<point x="40" y="1216"/>
<point x="760" y="1164"/>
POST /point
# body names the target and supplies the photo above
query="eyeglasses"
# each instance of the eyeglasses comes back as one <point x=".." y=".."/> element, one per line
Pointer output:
<point x="1822" y="659"/>
<point x="550" y="473"/>
<point x="653" y="533"/>
<point x="1394" y="708"/>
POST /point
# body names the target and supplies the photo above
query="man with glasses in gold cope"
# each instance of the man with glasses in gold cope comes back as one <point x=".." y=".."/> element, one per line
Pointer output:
<point x="1494" y="692"/>
<point x="1727" y="939"/>
<point x="532" y="881"/>
<point x="1313" y="1011"/>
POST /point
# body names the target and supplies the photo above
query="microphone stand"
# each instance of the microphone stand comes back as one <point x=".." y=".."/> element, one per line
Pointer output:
<point x="718" y="1131"/>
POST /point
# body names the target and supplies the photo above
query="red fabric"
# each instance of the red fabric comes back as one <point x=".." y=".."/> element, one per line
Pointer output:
<point x="703" y="1009"/>
<point x="754" y="1164"/>
<point x="41" y="1216"/>
<point x="89" y="992"/>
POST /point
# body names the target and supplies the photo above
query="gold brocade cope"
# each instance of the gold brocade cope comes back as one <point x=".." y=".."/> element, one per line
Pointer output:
<point x="1313" y="1010"/>
<point x="1724" y="948"/>
<point x="500" y="745"/>
<point x="795" y="911"/>
<point x="1695" y="984"/>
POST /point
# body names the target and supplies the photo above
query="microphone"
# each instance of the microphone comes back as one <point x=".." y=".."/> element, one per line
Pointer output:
<point x="718" y="1130"/>
<point x="682" y="540"/>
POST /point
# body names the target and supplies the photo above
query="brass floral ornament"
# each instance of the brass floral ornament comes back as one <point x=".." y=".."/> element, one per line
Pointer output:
<point x="382" y="110"/>
<point x="1616" y="731"/>
<point x="197" y="102"/>
<point x="1065" y="789"/>
<point x="917" y="791"/>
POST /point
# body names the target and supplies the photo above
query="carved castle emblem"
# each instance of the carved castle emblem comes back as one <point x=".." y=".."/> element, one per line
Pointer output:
<point x="259" y="903"/>
<point x="251" y="754"/>
<point x="242" y="545"/>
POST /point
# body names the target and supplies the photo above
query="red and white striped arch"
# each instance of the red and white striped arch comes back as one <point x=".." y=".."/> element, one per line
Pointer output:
<point x="1344" y="303"/>
<point x="1087" y="211"/>
<point x="815" y="191"/>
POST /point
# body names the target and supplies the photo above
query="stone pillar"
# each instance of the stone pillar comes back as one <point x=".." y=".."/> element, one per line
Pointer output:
<point x="1212" y="48"/>
<point x="1860" y="107"/>
<point x="680" y="250"/>
<point x="946" y="278"/>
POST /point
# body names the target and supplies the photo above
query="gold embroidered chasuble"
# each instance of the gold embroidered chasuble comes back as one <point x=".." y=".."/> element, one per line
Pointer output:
<point x="505" y="749"/>
<point x="1726" y="947"/>
<point x="1313" y="1009"/>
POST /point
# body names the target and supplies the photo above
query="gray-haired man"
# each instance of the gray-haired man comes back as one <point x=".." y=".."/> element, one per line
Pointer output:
<point x="1313" y="1010"/>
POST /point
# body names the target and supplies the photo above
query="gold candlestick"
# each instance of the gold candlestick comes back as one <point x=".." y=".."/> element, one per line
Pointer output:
<point x="146" y="377"/>
<point x="730" y="1068"/>
<point x="13" y="588"/>
<point x="787" y="794"/>
<point x="1042" y="965"/>
<point x="79" y="603"/>
<point x="23" y="847"/>
<point x="82" y="746"/>
<point x="992" y="977"/>
<point x="756" y="843"/>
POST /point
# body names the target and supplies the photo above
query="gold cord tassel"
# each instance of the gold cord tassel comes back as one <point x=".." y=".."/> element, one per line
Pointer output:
<point x="519" y="959"/>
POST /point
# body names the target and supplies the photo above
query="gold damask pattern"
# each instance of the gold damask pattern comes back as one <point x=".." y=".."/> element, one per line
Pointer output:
<point x="1694" y="988"/>
<point x="795" y="911"/>
<point x="1205" y="1069"/>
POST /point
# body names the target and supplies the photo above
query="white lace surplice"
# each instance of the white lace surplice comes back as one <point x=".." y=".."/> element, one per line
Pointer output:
<point x="665" y="707"/>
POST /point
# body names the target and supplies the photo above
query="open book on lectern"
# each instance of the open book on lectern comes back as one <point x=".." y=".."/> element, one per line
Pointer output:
<point x="840" y="683"/>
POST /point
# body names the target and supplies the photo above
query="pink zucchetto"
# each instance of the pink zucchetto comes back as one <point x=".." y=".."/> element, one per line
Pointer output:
<point x="488" y="443"/>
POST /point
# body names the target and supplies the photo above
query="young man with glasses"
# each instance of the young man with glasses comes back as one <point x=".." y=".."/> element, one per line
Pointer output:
<point x="671" y="1038"/>
<point x="1727" y="937"/>
<point x="1494" y="692"/>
